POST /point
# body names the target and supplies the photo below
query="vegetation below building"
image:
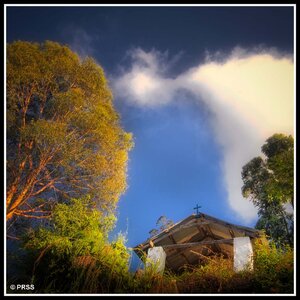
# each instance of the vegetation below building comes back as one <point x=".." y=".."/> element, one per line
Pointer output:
<point x="73" y="255"/>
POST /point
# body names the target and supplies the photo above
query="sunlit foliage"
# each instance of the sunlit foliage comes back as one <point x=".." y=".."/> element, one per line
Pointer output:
<point x="274" y="268"/>
<point x="73" y="253"/>
<point x="64" y="137"/>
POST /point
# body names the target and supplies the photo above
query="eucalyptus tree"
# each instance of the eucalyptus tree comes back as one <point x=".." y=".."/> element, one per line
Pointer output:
<point x="269" y="184"/>
<point x="64" y="138"/>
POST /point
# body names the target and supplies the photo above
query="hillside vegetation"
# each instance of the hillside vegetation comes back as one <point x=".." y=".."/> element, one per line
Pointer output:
<point x="66" y="167"/>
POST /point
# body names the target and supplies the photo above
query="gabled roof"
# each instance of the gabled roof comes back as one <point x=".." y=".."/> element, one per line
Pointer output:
<point x="191" y="240"/>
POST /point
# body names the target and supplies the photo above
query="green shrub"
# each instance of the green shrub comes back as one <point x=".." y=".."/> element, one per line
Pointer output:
<point x="274" y="268"/>
<point x="73" y="255"/>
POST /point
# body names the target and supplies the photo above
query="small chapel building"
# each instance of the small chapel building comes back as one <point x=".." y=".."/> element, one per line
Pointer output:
<point x="191" y="241"/>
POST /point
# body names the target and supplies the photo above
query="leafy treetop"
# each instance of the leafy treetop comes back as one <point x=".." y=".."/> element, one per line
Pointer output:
<point x="64" y="137"/>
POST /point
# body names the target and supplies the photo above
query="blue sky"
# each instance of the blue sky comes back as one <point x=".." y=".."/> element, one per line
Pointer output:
<point x="179" y="76"/>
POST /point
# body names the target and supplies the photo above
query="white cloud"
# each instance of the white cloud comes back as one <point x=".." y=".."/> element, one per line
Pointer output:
<point x="153" y="60"/>
<point x="249" y="93"/>
<point x="258" y="87"/>
<point x="144" y="84"/>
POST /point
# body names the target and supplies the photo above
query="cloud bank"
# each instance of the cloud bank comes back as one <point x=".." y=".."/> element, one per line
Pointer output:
<point x="250" y="95"/>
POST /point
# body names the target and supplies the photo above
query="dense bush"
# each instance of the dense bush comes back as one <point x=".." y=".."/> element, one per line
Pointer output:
<point x="72" y="253"/>
<point x="274" y="268"/>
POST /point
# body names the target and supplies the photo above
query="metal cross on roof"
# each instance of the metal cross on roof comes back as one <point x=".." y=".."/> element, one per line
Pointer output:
<point x="197" y="208"/>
